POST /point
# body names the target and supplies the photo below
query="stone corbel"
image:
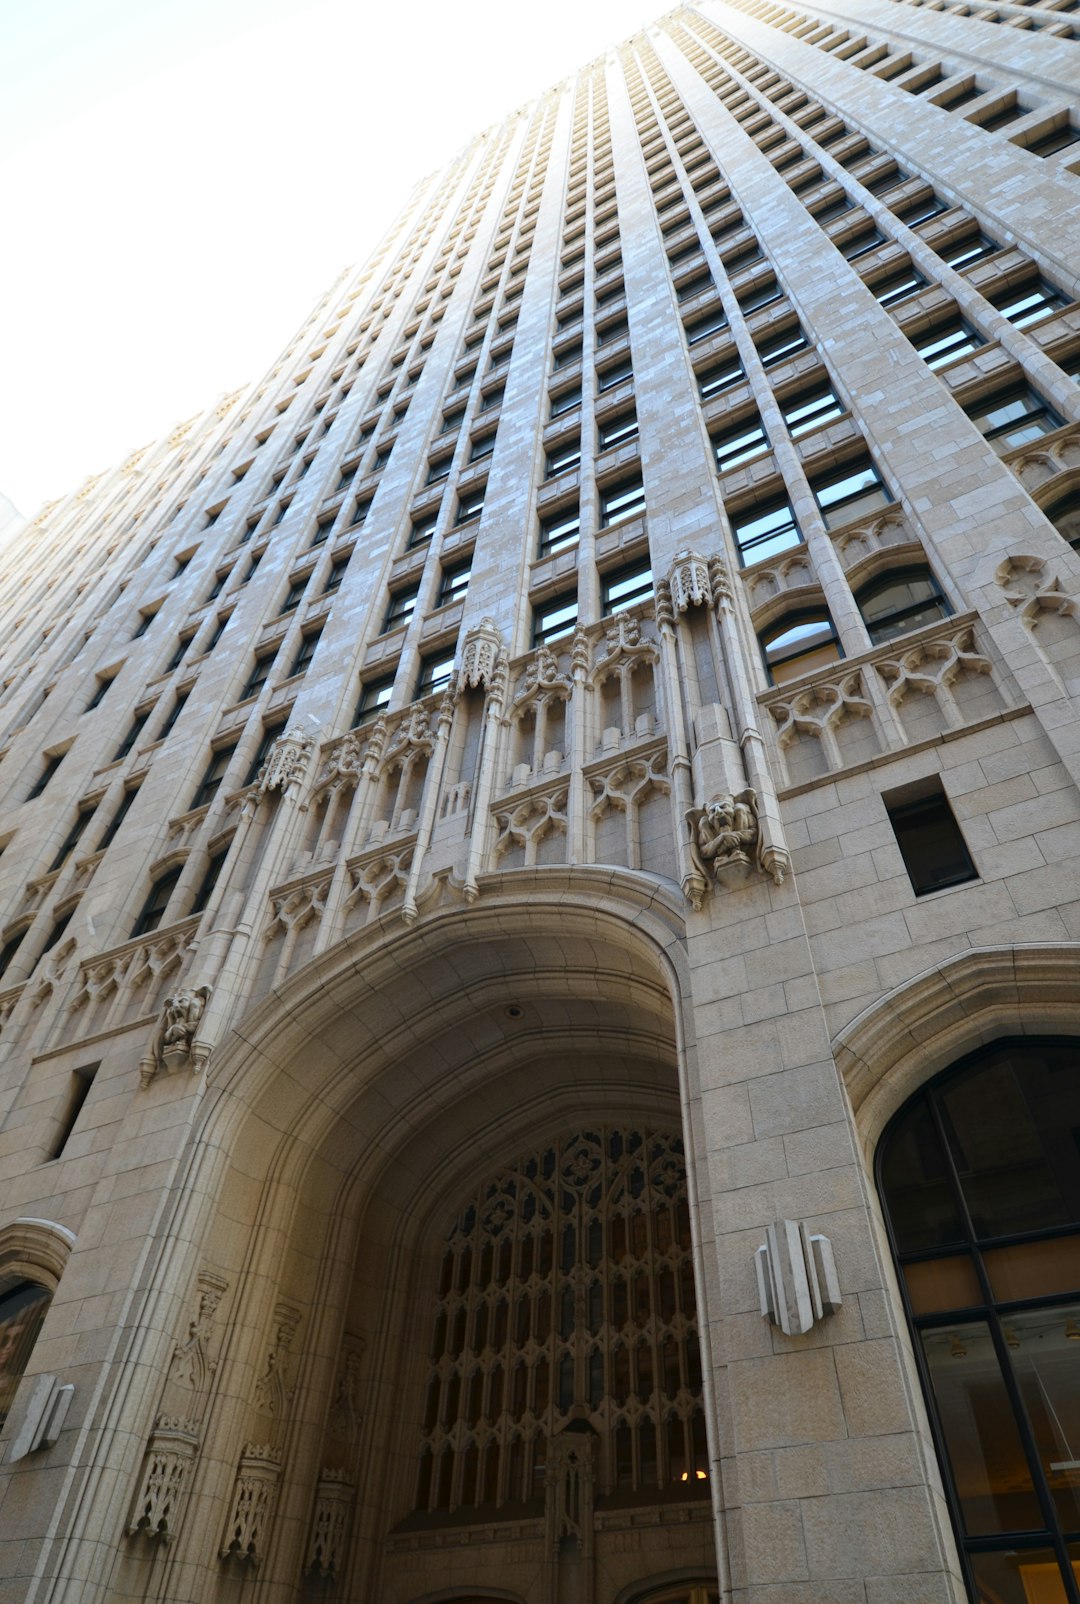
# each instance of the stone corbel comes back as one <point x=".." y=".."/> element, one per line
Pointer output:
<point x="287" y="763"/>
<point x="44" y="1412"/>
<point x="796" y="1276"/>
<point x="688" y="581"/>
<point x="159" y="1500"/>
<point x="176" y="1045"/>
<point x="480" y="655"/>
<point x="328" y="1542"/>
<point x="252" y="1508"/>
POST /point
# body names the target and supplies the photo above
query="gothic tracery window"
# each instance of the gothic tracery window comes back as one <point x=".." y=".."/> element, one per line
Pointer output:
<point x="567" y="1296"/>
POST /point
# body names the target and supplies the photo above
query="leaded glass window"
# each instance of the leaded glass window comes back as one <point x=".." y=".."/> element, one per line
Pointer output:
<point x="567" y="1296"/>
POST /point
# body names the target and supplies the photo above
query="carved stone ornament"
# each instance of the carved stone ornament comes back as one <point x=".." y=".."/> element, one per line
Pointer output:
<point x="192" y="1365"/>
<point x="796" y="1276"/>
<point x="163" y="1485"/>
<point x="272" y="1390"/>
<point x="480" y="654"/>
<point x="689" y="581"/>
<point x="569" y="1495"/>
<point x="252" y="1508"/>
<point x="286" y="763"/>
<point x="328" y="1544"/>
<point x="174" y="1045"/>
<point x="344" y="1419"/>
<point x="725" y="837"/>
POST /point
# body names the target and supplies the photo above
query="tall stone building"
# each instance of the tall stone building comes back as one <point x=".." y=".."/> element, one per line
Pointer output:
<point x="541" y="877"/>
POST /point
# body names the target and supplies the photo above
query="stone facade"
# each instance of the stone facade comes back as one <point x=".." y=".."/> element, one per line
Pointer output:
<point x="409" y="767"/>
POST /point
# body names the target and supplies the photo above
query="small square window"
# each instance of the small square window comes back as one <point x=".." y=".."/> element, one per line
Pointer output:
<point x="721" y="376"/>
<point x="563" y="456"/>
<point x="608" y="378"/>
<point x="621" y="501"/>
<point x="559" y="531"/>
<point x="809" y="409"/>
<point x="626" y="587"/>
<point x="454" y="582"/>
<point x="471" y="505"/>
<point x="400" y="608"/>
<point x="855" y="492"/>
<point x="762" y="532"/>
<point x="422" y="529"/>
<point x="374" y="697"/>
<point x="746" y="442"/>
<point x="616" y="431"/>
<point x="779" y="347"/>
<point x="931" y="844"/>
<point x="435" y="672"/>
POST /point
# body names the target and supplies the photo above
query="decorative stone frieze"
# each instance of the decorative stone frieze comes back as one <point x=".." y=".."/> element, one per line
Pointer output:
<point x="273" y="1392"/>
<point x="286" y="764"/>
<point x="689" y="582"/>
<point x="480" y="653"/>
<point x="327" y="1548"/>
<point x="192" y="1364"/>
<point x="251" y="1509"/>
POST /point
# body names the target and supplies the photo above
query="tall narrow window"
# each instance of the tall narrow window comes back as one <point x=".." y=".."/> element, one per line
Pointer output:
<point x="154" y="908"/>
<point x="22" y="1314"/>
<point x="82" y="1080"/>
<point x="83" y="816"/>
<point x="981" y="1187"/>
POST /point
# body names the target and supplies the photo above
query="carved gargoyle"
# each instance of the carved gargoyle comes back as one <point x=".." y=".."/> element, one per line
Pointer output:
<point x="725" y="837"/>
<point x="174" y="1044"/>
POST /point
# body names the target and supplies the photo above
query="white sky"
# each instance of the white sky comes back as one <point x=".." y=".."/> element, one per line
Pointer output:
<point x="181" y="179"/>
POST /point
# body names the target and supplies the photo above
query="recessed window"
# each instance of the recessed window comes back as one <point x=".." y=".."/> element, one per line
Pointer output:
<point x="799" y="643"/>
<point x="617" y="329"/>
<point x="563" y="456"/>
<point x="220" y="758"/>
<point x="607" y="378"/>
<point x="763" y="532"/>
<point x="470" y="504"/>
<point x="914" y="212"/>
<point x="259" y="674"/>
<point x="305" y="652"/>
<point x="933" y="849"/>
<point x="967" y="251"/>
<point x="744" y="443"/>
<point x="704" y="327"/>
<point x="856" y="492"/>
<point x="721" y="376"/>
<point x="809" y="409"/>
<point x="10" y="948"/>
<point x="435" y="672"/>
<point x="861" y="242"/>
<point x="156" y="904"/>
<point x="293" y="595"/>
<point x="454" y="582"/>
<point x="897" y="286"/>
<point x="83" y="816"/>
<point x="621" y="501"/>
<point x="1057" y="139"/>
<point x="374" y="699"/>
<point x="559" y="531"/>
<point x="101" y="691"/>
<point x="439" y="469"/>
<point x="1038" y="301"/>
<point x="48" y="769"/>
<point x="555" y="620"/>
<point x="482" y="448"/>
<point x="452" y="421"/>
<point x="134" y="730"/>
<point x="269" y="735"/>
<point x="616" y="431"/>
<point x="755" y="296"/>
<point x="780" y="347"/>
<point x="1013" y="417"/>
<point x="625" y="587"/>
<point x="899" y="601"/>
<point x="179" y="703"/>
<point x="360" y="512"/>
<point x="400" y="607"/>
<point x="335" y="576"/>
<point x="1064" y="514"/>
<point x="946" y="343"/>
<point x="567" y="357"/>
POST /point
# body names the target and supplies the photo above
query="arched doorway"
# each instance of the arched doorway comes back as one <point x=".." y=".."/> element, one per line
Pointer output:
<point x="980" y="1178"/>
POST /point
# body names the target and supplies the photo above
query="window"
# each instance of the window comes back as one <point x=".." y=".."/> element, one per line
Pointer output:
<point x="566" y="401"/>
<point x="721" y="376"/>
<point x="439" y="469"/>
<point x="1056" y="139"/>
<point x="762" y="532"/>
<point x="799" y="643"/>
<point x="292" y="596"/>
<point x="266" y="740"/>
<point x="946" y="343"/>
<point x="1013" y="417"/>
<point x="490" y="399"/>
<point x="625" y="588"/>
<point x="128" y="797"/>
<point x="209" y="880"/>
<point x="897" y="286"/>
<point x="978" y="1178"/>
<point x="1064" y="514"/>
<point x="52" y="762"/>
<point x="607" y="378"/>
<point x="146" y="618"/>
<point x="360" y="512"/>
<point x="744" y="443"/>
<point x="374" y="698"/>
<point x="899" y="601"/>
<point x="560" y="1222"/>
<point x="859" y="243"/>
<point x="101" y="691"/>
<point x="854" y="493"/>
<point x="967" y="251"/>
<point x="701" y="328"/>
<point x="400" y="607"/>
<point x="452" y="421"/>
<point x="779" y="347"/>
<point x="259" y="674"/>
<point x="554" y="620"/>
<point x="621" y="501"/>
<point x="10" y="948"/>
<point x="56" y="934"/>
<point x="83" y="816"/>
<point x="914" y="212"/>
<point x="454" y="582"/>
<point x="563" y="456"/>
<point x="559" y="531"/>
<point x="23" y="1307"/>
<point x="1038" y="301"/>
<point x="156" y="904"/>
<point x="177" y="708"/>
<point x="618" y="329"/>
<point x="220" y="759"/>
<point x="756" y="296"/>
<point x="305" y="652"/>
<point x="336" y="575"/>
<point x="931" y="845"/>
<point x="435" y="672"/>
<point x="482" y="448"/>
<point x="616" y="431"/>
<point x="470" y="504"/>
<point x="568" y="355"/>
<point x="82" y="1079"/>
<point x="809" y="409"/>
